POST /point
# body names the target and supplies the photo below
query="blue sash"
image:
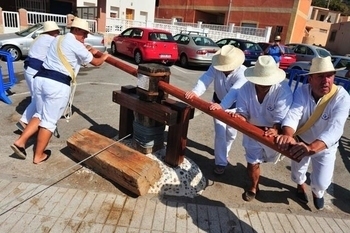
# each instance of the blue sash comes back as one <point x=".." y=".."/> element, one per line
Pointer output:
<point x="32" y="63"/>
<point x="54" y="75"/>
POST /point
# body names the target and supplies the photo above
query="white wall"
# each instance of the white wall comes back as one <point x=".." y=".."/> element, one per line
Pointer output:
<point x="143" y="10"/>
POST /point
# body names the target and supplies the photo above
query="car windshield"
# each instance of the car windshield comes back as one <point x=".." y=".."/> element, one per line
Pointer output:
<point x="252" y="46"/>
<point x="160" y="36"/>
<point x="288" y="50"/>
<point x="323" y="53"/>
<point x="29" y="30"/>
<point x="203" y="41"/>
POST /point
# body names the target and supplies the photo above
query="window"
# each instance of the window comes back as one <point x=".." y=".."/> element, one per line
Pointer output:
<point x="114" y="12"/>
<point x="249" y="25"/>
<point x="87" y="12"/>
<point x="332" y="36"/>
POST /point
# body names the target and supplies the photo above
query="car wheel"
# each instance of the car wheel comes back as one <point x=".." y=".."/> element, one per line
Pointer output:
<point x="183" y="60"/>
<point x="138" y="57"/>
<point x="14" y="51"/>
<point x="114" y="49"/>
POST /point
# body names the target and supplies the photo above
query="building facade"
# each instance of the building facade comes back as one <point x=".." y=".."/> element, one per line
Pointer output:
<point x="287" y="17"/>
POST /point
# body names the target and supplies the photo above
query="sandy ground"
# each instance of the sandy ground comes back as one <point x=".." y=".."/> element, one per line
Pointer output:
<point x="94" y="109"/>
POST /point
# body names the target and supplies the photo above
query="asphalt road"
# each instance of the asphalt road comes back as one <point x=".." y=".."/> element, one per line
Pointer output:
<point x="94" y="109"/>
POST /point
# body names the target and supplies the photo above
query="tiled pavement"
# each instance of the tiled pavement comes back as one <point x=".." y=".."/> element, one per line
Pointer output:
<point x="27" y="207"/>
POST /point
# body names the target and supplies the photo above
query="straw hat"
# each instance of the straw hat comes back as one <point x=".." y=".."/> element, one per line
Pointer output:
<point x="228" y="58"/>
<point x="265" y="72"/>
<point x="80" y="23"/>
<point x="277" y="38"/>
<point x="322" y="65"/>
<point x="50" y="26"/>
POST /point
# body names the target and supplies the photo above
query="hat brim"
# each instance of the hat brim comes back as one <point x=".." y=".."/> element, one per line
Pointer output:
<point x="324" y="71"/>
<point x="277" y="77"/>
<point x="226" y="67"/>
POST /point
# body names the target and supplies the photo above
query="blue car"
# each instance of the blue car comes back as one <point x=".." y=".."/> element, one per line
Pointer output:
<point x="251" y="49"/>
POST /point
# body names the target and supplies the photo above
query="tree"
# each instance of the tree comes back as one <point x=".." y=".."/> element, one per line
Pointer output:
<point x="333" y="5"/>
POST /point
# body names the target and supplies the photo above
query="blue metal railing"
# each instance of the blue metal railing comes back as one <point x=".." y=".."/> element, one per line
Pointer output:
<point x="12" y="80"/>
<point x="297" y="78"/>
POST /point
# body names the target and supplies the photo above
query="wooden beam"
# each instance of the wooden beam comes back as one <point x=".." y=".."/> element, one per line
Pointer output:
<point x="156" y="111"/>
<point x="115" y="161"/>
<point x="242" y="126"/>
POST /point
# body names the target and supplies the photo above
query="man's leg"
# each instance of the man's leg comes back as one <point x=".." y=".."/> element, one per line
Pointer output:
<point x="31" y="129"/>
<point x="254" y="175"/>
<point x="43" y="139"/>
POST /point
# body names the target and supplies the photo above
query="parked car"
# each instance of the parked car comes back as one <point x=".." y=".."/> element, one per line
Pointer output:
<point x="18" y="43"/>
<point x="195" y="48"/>
<point x="306" y="52"/>
<point x="288" y="58"/>
<point x="338" y="62"/>
<point x="146" y="45"/>
<point x="251" y="49"/>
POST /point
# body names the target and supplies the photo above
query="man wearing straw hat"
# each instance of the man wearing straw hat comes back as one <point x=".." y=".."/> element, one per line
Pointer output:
<point x="52" y="86"/>
<point x="227" y="73"/>
<point x="312" y="129"/>
<point x="36" y="55"/>
<point x="263" y="101"/>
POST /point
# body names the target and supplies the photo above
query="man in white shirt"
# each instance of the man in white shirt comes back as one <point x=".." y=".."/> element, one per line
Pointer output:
<point x="227" y="73"/>
<point x="36" y="55"/>
<point x="313" y="127"/>
<point x="52" y="86"/>
<point x="263" y="101"/>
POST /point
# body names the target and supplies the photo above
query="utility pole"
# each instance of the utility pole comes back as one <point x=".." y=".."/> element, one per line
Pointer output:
<point x="328" y="1"/>
<point x="228" y="13"/>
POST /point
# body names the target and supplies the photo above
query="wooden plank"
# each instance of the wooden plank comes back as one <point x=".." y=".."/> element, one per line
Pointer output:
<point x="177" y="134"/>
<point x="153" y="110"/>
<point x="119" y="163"/>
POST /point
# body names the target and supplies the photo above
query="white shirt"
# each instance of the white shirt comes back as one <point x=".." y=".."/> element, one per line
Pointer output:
<point x="330" y="126"/>
<point x="272" y="110"/>
<point x="40" y="47"/>
<point x="226" y="88"/>
<point x="74" y="51"/>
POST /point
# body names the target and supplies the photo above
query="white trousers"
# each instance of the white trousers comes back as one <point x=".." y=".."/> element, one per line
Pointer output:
<point x="224" y="137"/>
<point x="30" y="110"/>
<point x="256" y="152"/>
<point x="322" y="165"/>
<point x="50" y="98"/>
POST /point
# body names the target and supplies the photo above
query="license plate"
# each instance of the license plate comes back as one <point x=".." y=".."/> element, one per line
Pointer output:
<point x="287" y="58"/>
<point x="252" y="62"/>
<point x="165" y="56"/>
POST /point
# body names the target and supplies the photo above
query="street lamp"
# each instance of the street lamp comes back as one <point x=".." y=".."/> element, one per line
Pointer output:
<point x="228" y="13"/>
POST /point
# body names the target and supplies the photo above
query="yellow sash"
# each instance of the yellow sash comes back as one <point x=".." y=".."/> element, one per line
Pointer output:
<point x="64" y="60"/>
<point x="318" y="111"/>
<point x="68" y="110"/>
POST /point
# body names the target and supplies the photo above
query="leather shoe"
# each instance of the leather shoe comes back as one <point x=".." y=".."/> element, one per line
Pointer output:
<point x="319" y="203"/>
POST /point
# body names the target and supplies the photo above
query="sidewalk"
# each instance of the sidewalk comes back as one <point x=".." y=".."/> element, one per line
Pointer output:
<point x="57" y="209"/>
<point x="83" y="201"/>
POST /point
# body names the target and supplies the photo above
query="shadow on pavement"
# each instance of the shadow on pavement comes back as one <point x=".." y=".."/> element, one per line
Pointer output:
<point x="207" y="215"/>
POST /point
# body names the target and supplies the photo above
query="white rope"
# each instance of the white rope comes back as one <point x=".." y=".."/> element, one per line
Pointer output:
<point x="68" y="110"/>
<point x="46" y="181"/>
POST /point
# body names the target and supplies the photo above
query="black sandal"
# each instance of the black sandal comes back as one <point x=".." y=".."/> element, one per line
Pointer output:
<point x="249" y="195"/>
<point x="19" y="151"/>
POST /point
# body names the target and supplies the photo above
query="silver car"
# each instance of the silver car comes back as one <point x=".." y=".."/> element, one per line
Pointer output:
<point x="305" y="52"/>
<point x="338" y="62"/>
<point x="18" y="43"/>
<point x="195" y="49"/>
